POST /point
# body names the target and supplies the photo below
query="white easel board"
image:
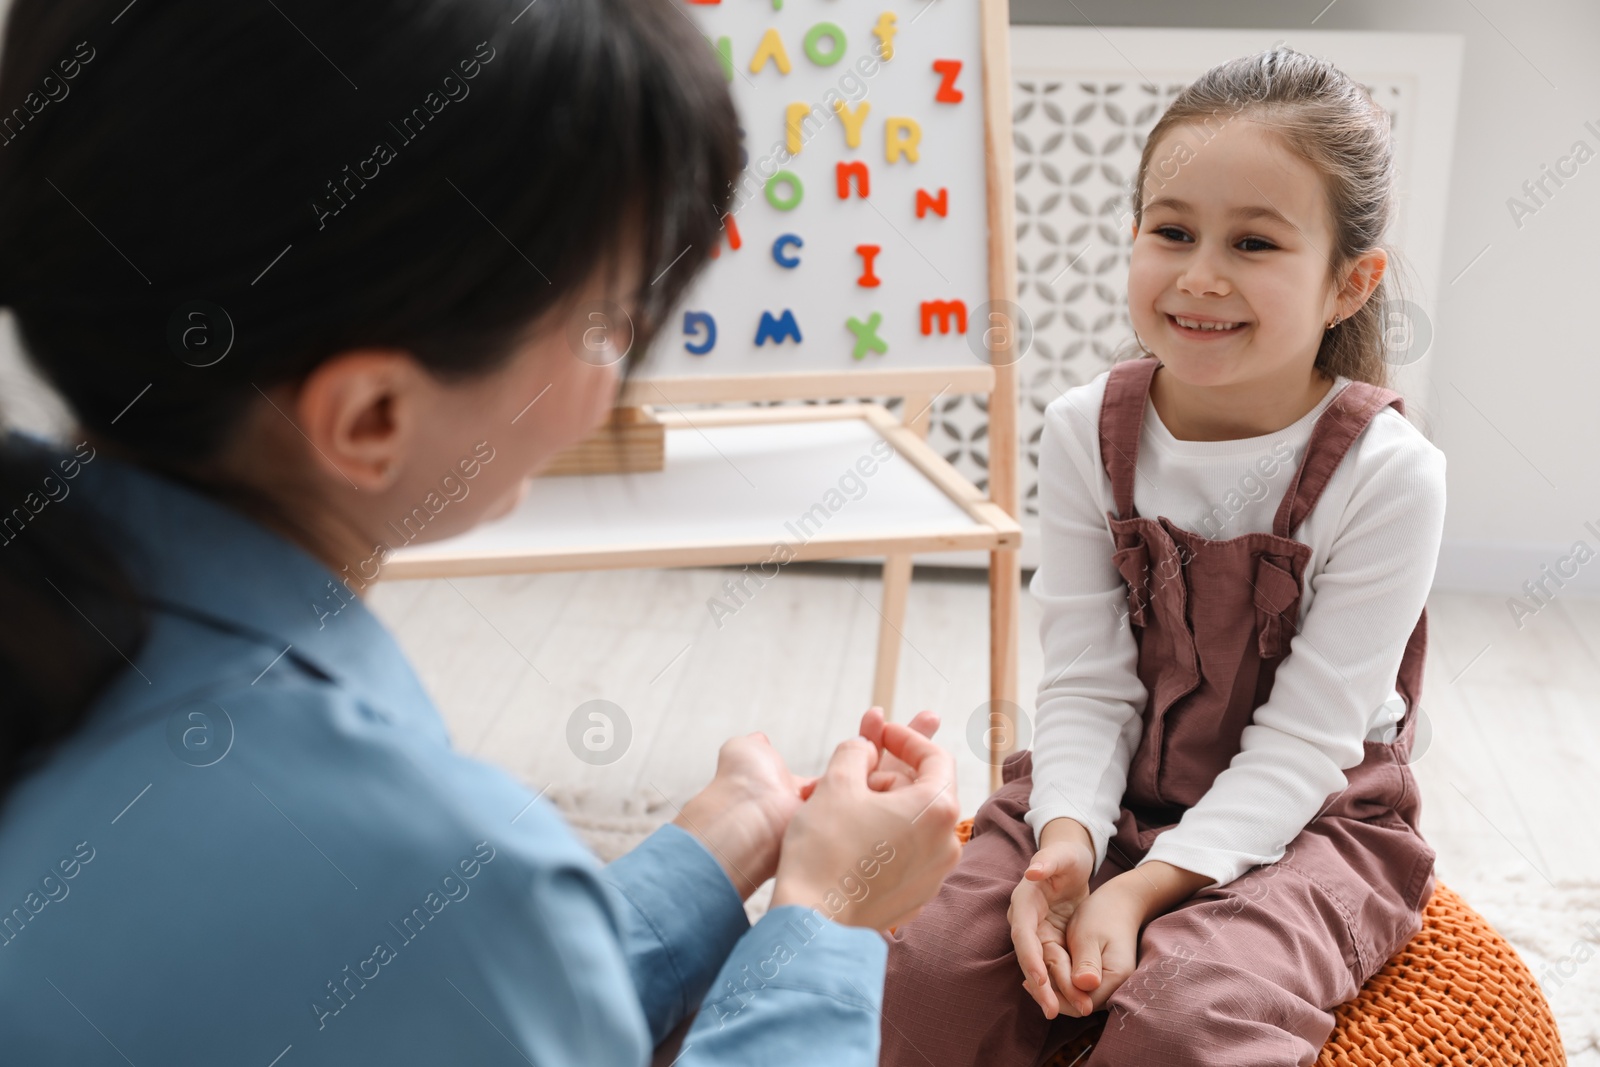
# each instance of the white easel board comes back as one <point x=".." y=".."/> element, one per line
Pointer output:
<point x="741" y="488"/>
<point x="804" y="252"/>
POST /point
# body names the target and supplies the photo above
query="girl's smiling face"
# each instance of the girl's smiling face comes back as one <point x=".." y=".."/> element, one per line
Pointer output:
<point x="1236" y="230"/>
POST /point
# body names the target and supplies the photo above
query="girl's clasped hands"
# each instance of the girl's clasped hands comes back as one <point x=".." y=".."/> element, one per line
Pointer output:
<point x="1077" y="946"/>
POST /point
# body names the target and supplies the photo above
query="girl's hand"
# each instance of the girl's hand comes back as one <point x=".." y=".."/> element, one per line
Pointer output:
<point x="1053" y="889"/>
<point x="1103" y="934"/>
<point x="1103" y="941"/>
<point x="892" y="773"/>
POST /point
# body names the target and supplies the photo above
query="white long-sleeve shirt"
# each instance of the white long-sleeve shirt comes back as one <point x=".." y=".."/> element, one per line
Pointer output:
<point x="1374" y="537"/>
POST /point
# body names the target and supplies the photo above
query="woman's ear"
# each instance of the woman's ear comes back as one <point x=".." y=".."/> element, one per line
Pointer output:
<point x="359" y="411"/>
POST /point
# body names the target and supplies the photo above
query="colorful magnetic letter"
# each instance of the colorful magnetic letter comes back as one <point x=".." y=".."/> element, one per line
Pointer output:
<point x="784" y="259"/>
<point x="901" y="138"/>
<point x="794" y="117"/>
<point x="867" y="339"/>
<point x="777" y="330"/>
<point x="868" y="254"/>
<point x="948" y="93"/>
<point x="735" y="242"/>
<point x="857" y="170"/>
<point x="797" y="190"/>
<point x="770" y="49"/>
<point x="944" y="309"/>
<point x="939" y="205"/>
<point x="694" y="322"/>
<point x="853" y="121"/>
<point x="835" y="38"/>
<point x="884" y="31"/>
<point x="724" y="50"/>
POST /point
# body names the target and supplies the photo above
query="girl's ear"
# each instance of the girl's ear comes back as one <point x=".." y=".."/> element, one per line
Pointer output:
<point x="1361" y="281"/>
<point x="359" y="410"/>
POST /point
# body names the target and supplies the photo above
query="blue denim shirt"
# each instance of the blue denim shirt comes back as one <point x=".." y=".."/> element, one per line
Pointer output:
<point x="262" y="849"/>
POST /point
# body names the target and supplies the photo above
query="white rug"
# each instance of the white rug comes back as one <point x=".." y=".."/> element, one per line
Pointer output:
<point x="1556" y="931"/>
<point x="611" y="825"/>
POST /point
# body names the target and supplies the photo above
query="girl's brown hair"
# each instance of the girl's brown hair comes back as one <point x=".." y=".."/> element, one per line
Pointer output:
<point x="1331" y="122"/>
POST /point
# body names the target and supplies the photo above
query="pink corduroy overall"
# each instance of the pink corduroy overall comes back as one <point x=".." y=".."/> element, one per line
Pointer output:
<point x="1241" y="974"/>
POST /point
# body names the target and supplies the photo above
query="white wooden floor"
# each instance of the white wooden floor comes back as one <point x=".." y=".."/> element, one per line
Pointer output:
<point x="509" y="659"/>
<point x="1508" y="775"/>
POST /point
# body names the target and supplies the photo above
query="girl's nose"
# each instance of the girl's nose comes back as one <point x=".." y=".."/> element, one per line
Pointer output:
<point x="1202" y="275"/>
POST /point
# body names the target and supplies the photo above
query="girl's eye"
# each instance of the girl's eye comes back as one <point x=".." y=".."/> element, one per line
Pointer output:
<point x="1172" y="233"/>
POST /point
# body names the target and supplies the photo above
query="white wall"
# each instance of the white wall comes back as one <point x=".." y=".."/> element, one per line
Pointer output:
<point x="1516" y="360"/>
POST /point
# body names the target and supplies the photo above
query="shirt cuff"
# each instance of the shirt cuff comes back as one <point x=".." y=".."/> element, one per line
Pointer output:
<point x="681" y="919"/>
<point x="795" y="970"/>
<point x="1099" y="836"/>
<point x="1221" y="865"/>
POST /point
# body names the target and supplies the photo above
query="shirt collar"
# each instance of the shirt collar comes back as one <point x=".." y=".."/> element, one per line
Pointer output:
<point x="189" y="553"/>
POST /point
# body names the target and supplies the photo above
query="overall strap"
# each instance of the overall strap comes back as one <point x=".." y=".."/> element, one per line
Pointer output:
<point x="1335" y="431"/>
<point x="1121" y="418"/>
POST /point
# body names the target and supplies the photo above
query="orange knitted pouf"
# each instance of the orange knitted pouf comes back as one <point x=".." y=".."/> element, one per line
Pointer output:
<point x="1456" y="995"/>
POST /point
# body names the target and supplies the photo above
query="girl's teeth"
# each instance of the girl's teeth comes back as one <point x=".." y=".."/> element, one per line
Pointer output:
<point x="1194" y="325"/>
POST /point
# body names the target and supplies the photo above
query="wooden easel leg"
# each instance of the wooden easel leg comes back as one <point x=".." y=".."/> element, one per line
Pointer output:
<point x="1005" y="578"/>
<point x="896" y="584"/>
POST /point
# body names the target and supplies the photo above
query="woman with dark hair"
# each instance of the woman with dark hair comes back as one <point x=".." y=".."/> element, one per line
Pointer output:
<point x="305" y="276"/>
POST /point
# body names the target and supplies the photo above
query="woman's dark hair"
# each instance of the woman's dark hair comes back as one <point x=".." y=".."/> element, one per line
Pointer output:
<point x="435" y="176"/>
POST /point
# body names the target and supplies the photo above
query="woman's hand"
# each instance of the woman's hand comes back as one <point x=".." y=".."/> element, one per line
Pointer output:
<point x="742" y="815"/>
<point x="1053" y="889"/>
<point x="867" y="857"/>
<point x="892" y="773"/>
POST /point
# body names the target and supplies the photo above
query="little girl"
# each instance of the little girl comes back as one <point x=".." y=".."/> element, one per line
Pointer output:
<point x="1215" y="837"/>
